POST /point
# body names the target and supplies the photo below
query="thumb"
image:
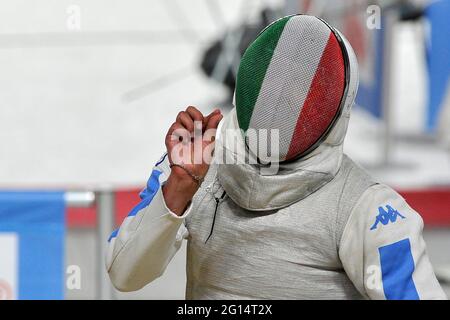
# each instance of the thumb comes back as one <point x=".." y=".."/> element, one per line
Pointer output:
<point x="213" y="121"/>
<point x="209" y="116"/>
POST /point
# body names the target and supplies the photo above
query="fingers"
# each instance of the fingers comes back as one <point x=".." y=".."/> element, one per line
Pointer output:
<point x="177" y="132"/>
<point x="206" y="119"/>
<point x="189" y="117"/>
<point x="177" y="144"/>
<point x="185" y="120"/>
<point x="194" y="113"/>
<point x="213" y="121"/>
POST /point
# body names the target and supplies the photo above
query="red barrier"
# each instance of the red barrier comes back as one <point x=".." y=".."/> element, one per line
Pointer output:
<point x="85" y="217"/>
<point x="433" y="204"/>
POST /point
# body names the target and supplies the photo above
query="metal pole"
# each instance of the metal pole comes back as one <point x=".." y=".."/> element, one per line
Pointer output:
<point x="105" y="224"/>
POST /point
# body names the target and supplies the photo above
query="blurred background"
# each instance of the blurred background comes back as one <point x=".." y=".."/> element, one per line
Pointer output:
<point x="88" y="89"/>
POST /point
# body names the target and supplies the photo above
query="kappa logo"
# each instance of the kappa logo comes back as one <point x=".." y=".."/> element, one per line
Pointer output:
<point x="385" y="216"/>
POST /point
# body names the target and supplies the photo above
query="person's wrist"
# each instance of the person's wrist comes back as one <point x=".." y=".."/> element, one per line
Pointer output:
<point x="182" y="180"/>
<point x="178" y="191"/>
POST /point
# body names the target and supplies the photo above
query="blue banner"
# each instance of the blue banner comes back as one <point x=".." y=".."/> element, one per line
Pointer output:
<point x="32" y="230"/>
<point x="438" y="53"/>
<point x="370" y="92"/>
<point x="368" y="44"/>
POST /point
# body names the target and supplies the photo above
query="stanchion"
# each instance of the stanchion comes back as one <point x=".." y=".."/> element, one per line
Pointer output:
<point x="105" y="224"/>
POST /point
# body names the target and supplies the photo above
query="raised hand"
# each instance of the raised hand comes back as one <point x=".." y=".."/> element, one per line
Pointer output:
<point x="190" y="144"/>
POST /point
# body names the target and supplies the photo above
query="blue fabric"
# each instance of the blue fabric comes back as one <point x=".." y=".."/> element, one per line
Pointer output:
<point x="38" y="218"/>
<point x="152" y="187"/>
<point x="397" y="268"/>
<point x="146" y="195"/>
<point x="161" y="160"/>
<point x="438" y="53"/>
<point x="386" y="215"/>
<point x="113" y="234"/>
<point x="370" y="92"/>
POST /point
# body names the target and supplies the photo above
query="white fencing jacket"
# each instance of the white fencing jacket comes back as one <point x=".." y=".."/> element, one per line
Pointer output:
<point x="340" y="236"/>
<point x="320" y="228"/>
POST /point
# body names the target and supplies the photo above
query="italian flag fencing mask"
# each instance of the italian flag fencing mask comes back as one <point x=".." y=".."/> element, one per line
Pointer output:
<point x="292" y="78"/>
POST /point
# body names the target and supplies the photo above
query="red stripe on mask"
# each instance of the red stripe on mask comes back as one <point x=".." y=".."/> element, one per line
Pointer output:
<point x="323" y="99"/>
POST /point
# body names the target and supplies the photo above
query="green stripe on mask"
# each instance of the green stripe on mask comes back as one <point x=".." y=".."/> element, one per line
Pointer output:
<point x="252" y="70"/>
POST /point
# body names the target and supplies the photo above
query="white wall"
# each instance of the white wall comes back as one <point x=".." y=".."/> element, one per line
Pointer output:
<point x="63" y="118"/>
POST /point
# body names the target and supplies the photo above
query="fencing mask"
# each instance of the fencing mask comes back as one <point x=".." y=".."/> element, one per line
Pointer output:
<point x="292" y="78"/>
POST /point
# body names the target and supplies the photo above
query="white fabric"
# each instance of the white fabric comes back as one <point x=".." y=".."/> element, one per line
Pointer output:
<point x="145" y="243"/>
<point x="359" y="244"/>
